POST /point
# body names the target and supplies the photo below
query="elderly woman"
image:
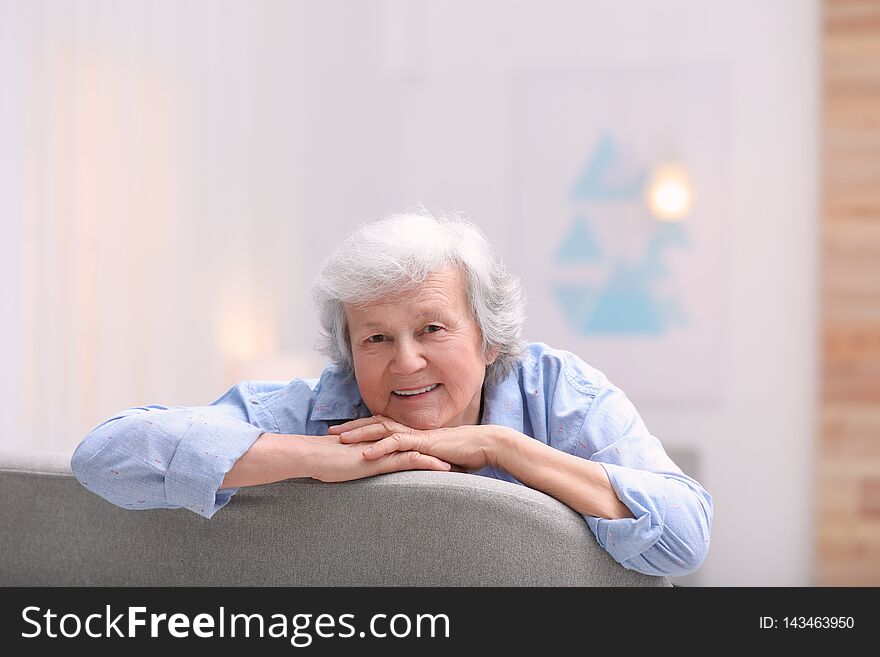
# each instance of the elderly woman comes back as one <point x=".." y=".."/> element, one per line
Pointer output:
<point x="429" y="371"/>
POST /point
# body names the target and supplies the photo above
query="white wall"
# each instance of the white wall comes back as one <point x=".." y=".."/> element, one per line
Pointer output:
<point x="174" y="172"/>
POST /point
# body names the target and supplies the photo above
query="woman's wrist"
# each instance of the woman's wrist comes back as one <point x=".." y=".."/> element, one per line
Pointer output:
<point x="499" y="443"/>
<point x="272" y="457"/>
<point x="303" y="456"/>
<point x="294" y="455"/>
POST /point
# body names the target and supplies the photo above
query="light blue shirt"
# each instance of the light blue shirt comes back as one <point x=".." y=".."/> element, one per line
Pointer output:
<point x="171" y="457"/>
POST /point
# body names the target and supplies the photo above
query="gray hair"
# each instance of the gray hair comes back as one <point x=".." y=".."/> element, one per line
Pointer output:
<point x="392" y="256"/>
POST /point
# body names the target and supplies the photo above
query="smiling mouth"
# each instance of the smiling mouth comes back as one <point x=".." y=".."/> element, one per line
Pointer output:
<point x="417" y="392"/>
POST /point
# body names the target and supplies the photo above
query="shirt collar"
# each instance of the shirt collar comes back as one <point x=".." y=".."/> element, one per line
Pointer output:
<point x="337" y="396"/>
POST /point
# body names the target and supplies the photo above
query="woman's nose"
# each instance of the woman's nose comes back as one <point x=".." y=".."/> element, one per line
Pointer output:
<point x="408" y="358"/>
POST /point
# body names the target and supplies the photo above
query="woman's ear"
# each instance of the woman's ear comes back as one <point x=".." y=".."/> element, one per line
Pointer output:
<point x="491" y="355"/>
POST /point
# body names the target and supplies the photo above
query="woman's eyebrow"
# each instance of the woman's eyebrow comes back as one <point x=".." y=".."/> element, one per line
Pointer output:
<point x="433" y="314"/>
<point x="422" y="315"/>
<point x="372" y="326"/>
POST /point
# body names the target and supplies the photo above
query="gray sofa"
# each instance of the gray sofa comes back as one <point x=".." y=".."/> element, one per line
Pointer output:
<point x="404" y="529"/>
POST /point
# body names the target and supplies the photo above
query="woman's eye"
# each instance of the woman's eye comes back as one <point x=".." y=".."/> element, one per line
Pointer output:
<point x="375" y="338"/>
<point x="433" y="326"/>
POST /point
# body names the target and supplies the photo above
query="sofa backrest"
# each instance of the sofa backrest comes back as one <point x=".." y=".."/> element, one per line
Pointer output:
<point x="414" y="528"/>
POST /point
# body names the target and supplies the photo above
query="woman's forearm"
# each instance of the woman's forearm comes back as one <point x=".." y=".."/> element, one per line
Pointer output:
<point x="581" y="484"/>
<point x="272" y="457"/>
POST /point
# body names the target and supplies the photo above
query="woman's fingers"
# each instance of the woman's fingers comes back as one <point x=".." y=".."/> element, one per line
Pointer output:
<point x="370" y="432"/>
<point x="356" y="424"/>
<point x="413" y="460"/>
<point x="394" y="443"/>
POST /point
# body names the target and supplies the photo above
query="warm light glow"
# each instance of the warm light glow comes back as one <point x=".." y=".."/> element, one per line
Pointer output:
<point x="669" y="193"/>
<point x="244" y="325"/>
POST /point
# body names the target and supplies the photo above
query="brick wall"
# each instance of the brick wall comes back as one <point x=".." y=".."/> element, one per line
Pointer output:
<point x="848" y="465"/>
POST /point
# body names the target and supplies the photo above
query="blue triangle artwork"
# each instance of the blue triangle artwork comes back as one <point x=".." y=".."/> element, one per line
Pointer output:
<point x="625" y="301"/>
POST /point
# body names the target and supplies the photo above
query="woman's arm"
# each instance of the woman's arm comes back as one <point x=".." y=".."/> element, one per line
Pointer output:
<point x="583" y="485"/>
<point x="159" y="457"/>
<point x="164" y="458"/>
<point x="275" y="457"/>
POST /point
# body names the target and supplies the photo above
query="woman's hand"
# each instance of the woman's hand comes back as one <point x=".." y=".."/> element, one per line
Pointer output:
<point x="333" y="461"/>
<point x="471" y="447"/>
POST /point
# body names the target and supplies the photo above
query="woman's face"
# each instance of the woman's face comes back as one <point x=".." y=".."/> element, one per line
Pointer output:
<point x="427" y="338"/>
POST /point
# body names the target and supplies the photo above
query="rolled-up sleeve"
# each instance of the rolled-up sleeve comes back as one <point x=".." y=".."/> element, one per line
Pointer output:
<point x="669" y="532"/>
<point x="166" y="457"/>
